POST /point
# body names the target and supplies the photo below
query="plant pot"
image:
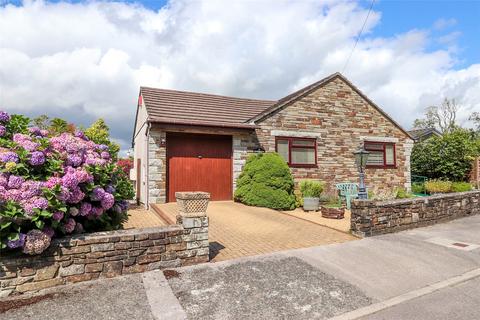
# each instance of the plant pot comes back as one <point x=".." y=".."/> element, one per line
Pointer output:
<point x="311" y="204"/>
<point x="333" y="213"/>
<point x="192" y="202"/>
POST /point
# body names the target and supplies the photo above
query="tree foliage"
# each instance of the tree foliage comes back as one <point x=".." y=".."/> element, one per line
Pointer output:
<point x="441" y="117"/>
<point x="99" y="132"/>
<point x="447" y="157"/>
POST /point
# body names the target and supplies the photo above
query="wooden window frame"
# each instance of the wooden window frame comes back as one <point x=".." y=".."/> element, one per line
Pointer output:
<point x="291" y="146"/>
<point x="385" y="165"/>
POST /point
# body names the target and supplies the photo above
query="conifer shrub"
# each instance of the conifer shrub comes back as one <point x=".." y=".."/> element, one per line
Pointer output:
<point x="266" y="181"/>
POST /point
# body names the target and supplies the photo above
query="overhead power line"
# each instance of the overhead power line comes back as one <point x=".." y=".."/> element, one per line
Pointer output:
<point x="358" y="37"/>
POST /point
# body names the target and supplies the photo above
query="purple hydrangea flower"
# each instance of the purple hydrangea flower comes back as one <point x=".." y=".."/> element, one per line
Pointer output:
<point x="79" y="228"/>
<point x="13" y="244"/>
<point x="37" y="158"/>
<point x="3" y="130"/>
<point x="105" y="155"/>
<point x="35" y="131"/>
<point x="69" y="226"/>
<point x="49" y="232"/>
<point x="4" y="117"/>
<point x="102" y="147"/>
<point x="9" y="156"/>
<point x="69" y="180"/>
<point x="80" y="134"/>
<point x="107" y="201"/>
<point x="52" y="182"/>
<point x="97" y="194"/>
<point x="97" y="211"/>
<point x="58" y="216"/>
<point x="74" y="160"/>
<point x="76" y="195"/>
<point x="110" y="189"/>
<point x="3" y="179"/>
<point x="15" y="182"/>
<point x="85" y="209"/>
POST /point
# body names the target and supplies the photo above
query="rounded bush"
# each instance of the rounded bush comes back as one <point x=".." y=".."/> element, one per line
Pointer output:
<point x="266" y="181"/>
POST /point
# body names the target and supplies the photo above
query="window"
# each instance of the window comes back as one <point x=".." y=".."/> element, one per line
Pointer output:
<point x="298" y="152"/>
<point x="382" y="154"/>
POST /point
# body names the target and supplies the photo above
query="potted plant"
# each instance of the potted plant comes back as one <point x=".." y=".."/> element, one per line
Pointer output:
<point x="311" y="191"/>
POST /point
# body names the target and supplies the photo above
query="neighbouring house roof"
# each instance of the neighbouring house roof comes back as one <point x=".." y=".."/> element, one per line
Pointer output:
<point x="419" y="134"/>
<point x="190" y="108"/>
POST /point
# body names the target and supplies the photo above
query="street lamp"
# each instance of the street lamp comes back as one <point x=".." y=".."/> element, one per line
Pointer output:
<point x="361" y="157"/>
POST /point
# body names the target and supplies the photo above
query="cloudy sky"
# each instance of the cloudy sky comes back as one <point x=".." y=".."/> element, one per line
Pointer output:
<point x="81" y="60"/>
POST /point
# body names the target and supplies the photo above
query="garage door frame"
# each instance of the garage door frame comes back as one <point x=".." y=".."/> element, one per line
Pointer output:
<point x="167" y="159"/>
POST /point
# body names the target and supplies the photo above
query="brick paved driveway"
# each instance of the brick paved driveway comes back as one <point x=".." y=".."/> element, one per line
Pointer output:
<point x="237" y="230"/>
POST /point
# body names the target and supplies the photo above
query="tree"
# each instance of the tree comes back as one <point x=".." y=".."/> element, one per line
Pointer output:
<point x="54" y="126"/>
<point x="99" y="132"/>
<point x="42" y="122"/>
<point x="447" y="157"/>
<point x="441" y="117"/>
<point x="58" y="126"/>
<point x="475" y="118"/>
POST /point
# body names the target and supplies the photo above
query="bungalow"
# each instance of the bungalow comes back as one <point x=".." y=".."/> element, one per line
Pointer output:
<point x="185" y="141"/>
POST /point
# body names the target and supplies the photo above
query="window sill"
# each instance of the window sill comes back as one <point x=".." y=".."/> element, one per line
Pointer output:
<point x="303" y="166"/>
<point x="381" y="167"/>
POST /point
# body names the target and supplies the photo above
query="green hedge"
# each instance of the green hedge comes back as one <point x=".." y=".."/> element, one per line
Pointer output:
<point x="266" y="181"/>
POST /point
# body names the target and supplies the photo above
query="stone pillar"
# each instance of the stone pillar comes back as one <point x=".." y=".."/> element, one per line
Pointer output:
<point x="193" y="218"/>
<point x="156" y="167"/>
<point x="195" y="235"/>
<point x="408" y="147"/>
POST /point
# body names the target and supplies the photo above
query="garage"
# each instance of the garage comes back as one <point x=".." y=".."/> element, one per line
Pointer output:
<point x="199" y="162"/>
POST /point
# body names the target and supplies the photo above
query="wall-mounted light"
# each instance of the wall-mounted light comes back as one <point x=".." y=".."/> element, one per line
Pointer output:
<point x="163" y="142"/>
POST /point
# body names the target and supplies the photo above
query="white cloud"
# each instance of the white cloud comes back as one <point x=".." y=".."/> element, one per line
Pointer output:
<point x="87" y="60"/>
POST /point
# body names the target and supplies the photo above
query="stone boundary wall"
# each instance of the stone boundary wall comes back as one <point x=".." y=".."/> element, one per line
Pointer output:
<point x="371" y="218"/>
<point x="107" y="254"/>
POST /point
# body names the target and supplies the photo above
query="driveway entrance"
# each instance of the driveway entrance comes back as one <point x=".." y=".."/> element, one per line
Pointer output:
<point x="237" y="230"/>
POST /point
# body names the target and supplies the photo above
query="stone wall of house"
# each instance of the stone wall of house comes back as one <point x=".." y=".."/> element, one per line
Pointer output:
<point x="106" y="255"/>
<point x="341" y="120"/>
<point x="157" y="166"/>
<point x="371" y="218"/>
<point x="243" y="145"/>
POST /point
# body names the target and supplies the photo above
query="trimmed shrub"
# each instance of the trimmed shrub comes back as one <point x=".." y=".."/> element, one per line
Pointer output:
<point x="438" y="186"/>
<point x="311" y="189"/>
<point x="461" y="186"/>
<point x="266" y="181"/>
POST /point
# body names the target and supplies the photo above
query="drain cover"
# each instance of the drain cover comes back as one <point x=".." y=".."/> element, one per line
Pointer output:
<point x="449" y="243"/>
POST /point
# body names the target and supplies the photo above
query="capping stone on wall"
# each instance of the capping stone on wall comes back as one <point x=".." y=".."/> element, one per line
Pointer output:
<point x="107" y="254"/>
<point x="371" y="218"/>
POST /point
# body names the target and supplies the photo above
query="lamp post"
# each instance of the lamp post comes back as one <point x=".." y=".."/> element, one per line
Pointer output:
<point x="361" y="157"/>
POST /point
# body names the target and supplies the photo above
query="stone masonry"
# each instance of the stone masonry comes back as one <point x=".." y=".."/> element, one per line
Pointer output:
<point x="157" y="171"/>
<point x="340" y="119"/>
<point x="371" y="218"/>
<point x="107" y="254"/>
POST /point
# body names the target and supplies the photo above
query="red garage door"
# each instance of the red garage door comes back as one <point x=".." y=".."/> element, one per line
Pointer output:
<point x="199" y="163"/>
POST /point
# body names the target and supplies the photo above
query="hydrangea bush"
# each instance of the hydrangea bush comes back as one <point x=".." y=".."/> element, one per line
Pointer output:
<point x="53" y="185"/>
